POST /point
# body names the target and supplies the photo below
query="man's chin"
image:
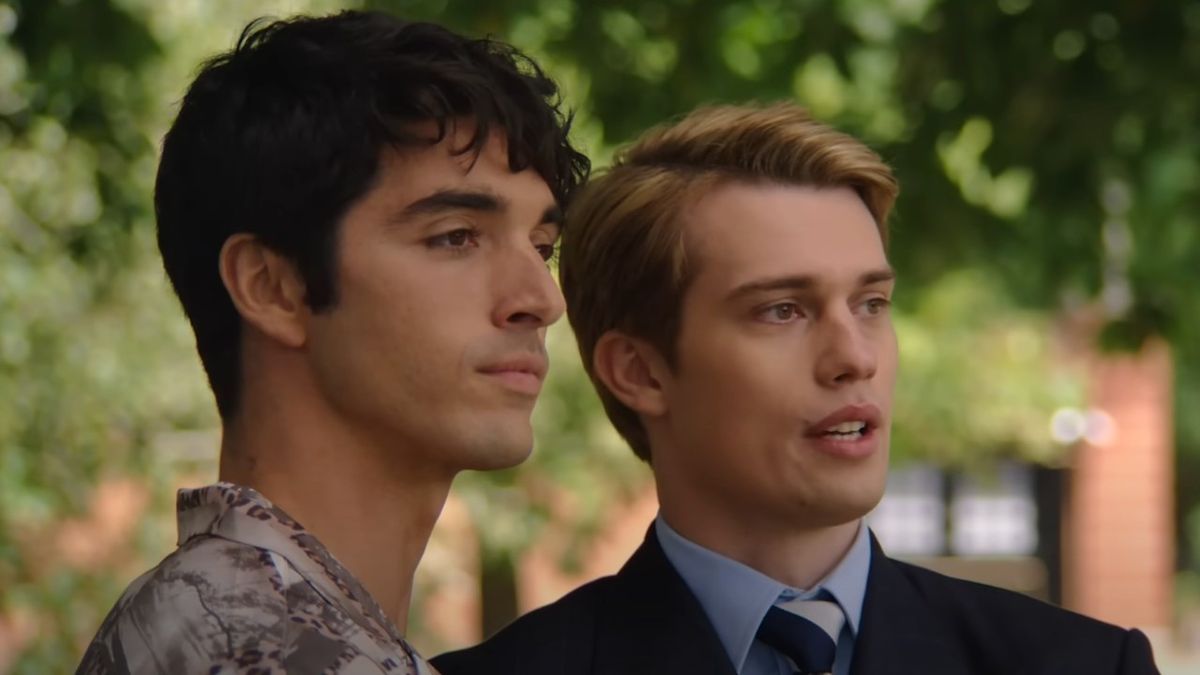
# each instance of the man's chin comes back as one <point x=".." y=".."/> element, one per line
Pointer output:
<point x="834" y="509"/>
<point x="500" y="451"/>
<point x="855" y="507"/>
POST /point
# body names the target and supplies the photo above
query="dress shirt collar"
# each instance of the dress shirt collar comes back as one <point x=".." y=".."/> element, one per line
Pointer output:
<point x="736" y="597"/>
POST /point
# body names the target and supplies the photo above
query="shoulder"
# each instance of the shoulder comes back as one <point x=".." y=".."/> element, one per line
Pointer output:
<point x="542" y="641"/>
<point x="212" y="603"/>
<point x="211" y="576"/>
<point x="209" y="599"/>
<point x="1012" y="625"/>
<point x="1003" y="607"/>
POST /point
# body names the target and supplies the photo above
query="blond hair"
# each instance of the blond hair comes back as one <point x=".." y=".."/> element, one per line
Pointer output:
<point x="624" y="265"/>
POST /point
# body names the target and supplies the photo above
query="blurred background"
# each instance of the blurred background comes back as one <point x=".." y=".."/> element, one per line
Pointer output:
<point x="1047" y="433"/>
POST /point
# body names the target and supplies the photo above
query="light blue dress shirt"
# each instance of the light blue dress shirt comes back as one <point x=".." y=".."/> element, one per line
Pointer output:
<point x="736" y="598"/>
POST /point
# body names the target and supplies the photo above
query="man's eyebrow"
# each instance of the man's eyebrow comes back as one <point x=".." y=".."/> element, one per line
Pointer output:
<point x="878" y="276"/>
<point x="454" y="200"/>
<point x="794" y="282"/>
<point x="805" y="282"/>
<point x="553" y="215"/>
<point x="469" y="200"/>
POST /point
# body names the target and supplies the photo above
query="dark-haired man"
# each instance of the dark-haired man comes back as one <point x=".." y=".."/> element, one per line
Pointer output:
<point x="355" y="212"/>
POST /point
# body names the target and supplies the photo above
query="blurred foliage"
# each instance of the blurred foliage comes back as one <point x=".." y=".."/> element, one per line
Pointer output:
<point x="979" y="377"/>
<point x="87" y="368"/>
<point x="1049" y="156"/>
<point x="1017" y="128"/>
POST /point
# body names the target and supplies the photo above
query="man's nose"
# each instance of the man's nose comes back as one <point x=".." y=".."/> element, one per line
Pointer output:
<point x="846" y="353"/>
<point x="527" y="294"/>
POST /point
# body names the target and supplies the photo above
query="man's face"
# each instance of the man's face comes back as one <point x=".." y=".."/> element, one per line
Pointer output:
<point x="436" y="341"/>
<point x="779" y="406"/>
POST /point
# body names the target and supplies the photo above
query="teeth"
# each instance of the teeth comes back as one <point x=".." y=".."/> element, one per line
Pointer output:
<point x="847" y="427"/>
<point x="843" y="438"/>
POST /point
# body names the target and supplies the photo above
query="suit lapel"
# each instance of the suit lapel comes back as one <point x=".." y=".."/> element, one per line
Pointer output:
<point x="651" y="624"/>
<point x="900" y="633"/>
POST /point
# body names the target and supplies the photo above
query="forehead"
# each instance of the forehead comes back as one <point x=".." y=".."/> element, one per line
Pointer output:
<point x="413" y="172"/>
<point x="739" y="232"/>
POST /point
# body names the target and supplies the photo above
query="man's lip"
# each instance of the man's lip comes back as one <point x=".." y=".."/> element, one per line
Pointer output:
<point x="865" y="412"/>
<point x="531" y="365"/>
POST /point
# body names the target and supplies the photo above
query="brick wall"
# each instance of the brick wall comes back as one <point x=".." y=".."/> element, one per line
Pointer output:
<point x="1119" y="543"/>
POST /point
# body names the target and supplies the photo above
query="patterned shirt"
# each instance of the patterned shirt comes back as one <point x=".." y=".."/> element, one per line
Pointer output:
<point x="247" y="591"/>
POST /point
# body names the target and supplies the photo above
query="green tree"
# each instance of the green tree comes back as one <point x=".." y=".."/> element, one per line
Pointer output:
<point x="73" y="177"/>
<point x="1051" y="143"/>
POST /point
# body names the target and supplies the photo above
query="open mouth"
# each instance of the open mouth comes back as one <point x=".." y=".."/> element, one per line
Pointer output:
<point x="847" y="431"/>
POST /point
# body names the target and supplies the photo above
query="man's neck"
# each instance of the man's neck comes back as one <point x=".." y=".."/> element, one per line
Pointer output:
<point x="791" y="554"/>
<point x="369" y="508"/>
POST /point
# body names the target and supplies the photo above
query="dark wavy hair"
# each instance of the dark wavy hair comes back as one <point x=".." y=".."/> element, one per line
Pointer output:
<point x="278" y="137"/>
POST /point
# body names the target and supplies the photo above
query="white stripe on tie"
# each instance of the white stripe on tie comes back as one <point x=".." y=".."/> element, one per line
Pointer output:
<point x="805" y="632"/>
<point x="828" y="615"/>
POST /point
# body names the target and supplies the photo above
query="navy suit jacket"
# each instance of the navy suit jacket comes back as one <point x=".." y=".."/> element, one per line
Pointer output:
<point x="645" y="621"/>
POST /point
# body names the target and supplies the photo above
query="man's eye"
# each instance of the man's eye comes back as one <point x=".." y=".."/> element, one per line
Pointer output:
<point x="547" y="251"/>
<point x="782" y="312"/>
<point x="454" y="239"/>
<point x="877" y="305"/>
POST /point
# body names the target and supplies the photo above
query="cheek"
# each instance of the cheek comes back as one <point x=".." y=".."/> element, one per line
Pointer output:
<point x="410" y="299"/>
<point x="383" y="331"/>
<point x="731" y="390"/>
<point x="725" y="359"/>
<point x="889" y="359"/>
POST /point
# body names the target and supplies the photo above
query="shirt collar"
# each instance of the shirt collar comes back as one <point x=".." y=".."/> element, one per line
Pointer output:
<point x="241" y="514"/>
<point x="736" y="597"/>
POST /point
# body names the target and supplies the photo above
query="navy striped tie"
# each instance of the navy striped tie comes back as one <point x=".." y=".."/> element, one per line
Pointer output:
<point x="805" y="631"/>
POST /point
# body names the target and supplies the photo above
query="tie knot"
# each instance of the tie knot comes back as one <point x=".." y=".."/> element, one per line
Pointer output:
<point x="805" y="631"/>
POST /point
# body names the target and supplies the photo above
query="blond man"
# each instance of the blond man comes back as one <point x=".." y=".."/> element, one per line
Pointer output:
<point x="728" y="283"/>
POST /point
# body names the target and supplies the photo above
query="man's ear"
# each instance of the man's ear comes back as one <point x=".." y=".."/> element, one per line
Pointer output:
<point x="265" y="288"/>
<point x="633" y="371"/>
